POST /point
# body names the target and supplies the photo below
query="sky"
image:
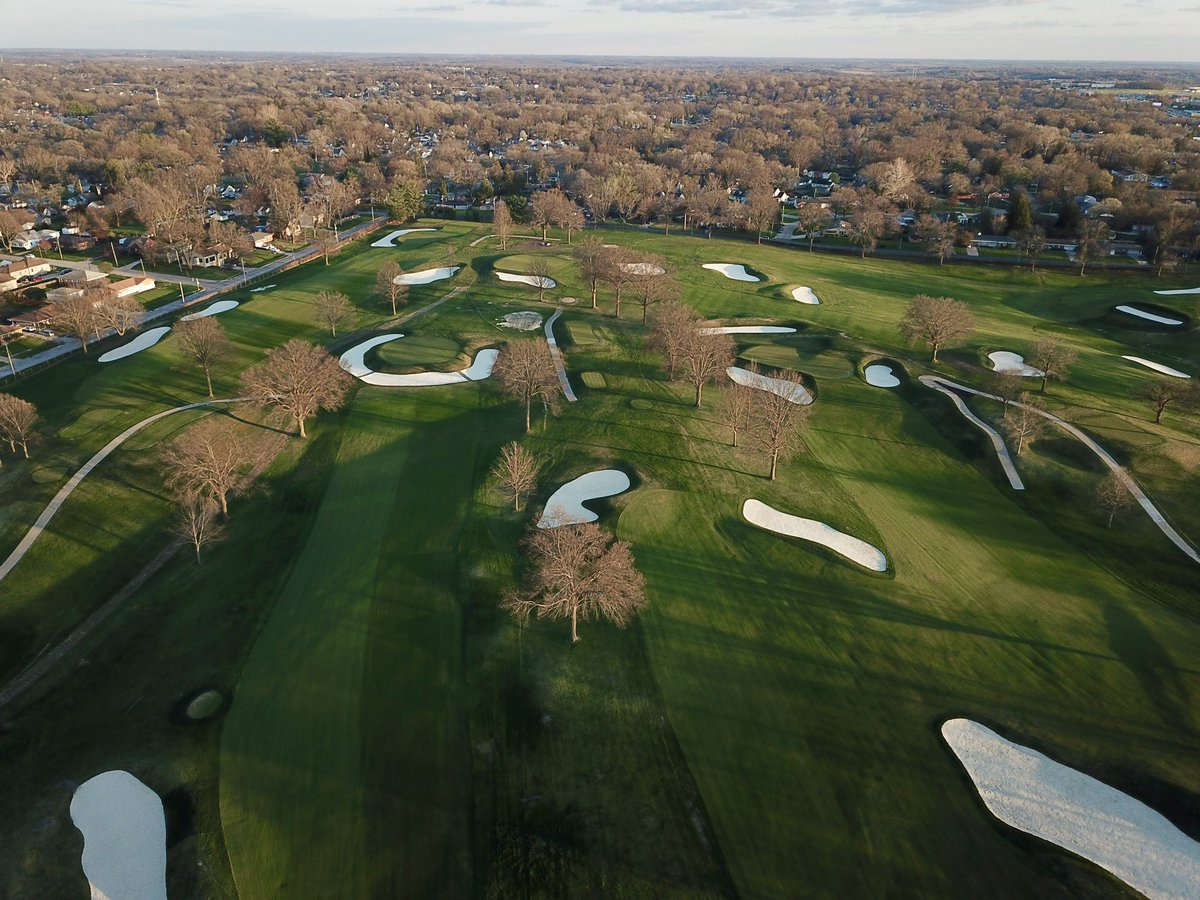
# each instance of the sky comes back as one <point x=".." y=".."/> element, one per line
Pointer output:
<point x="1101" y="30"/>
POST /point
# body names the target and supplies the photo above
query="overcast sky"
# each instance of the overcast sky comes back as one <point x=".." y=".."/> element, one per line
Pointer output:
<point x="1146" y="30"/>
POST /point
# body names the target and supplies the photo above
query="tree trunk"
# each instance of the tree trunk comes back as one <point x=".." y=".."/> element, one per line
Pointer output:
<point x="303" y="432"/>
<point x="575" y="625"/>
<point x="1042" y="390"/>
<point x="617" y="312"/>
<point x="197" y="554"/>
<point x="1112" y="513"/>
<point x="774" y="463"/>
<point x="935" y="350"/>
<point x="595" y="288"/>
<point x="699" y="393"/>
<point x="528" y="404"/>
<point x="545" y="228"/>
<point x="25" y="447"/>
<point x="735" y="431"/>
<point x="208" y="379"/>
<point x="1158" y="415"/>
<point x="224" y="504"/>
<point x="645" y="309"/>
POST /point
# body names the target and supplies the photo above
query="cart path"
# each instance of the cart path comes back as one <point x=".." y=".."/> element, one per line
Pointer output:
<point x="558" y="359"/>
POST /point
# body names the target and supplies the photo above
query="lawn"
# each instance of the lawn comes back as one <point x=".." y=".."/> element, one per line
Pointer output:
<point x="768" y="727"/>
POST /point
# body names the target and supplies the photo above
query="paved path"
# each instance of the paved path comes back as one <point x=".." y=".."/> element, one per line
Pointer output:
<point x="1125" y="478"/>
<point x="53" y="507"/>
<point x="1006" y="460"/>
<point x="568" y="391"/>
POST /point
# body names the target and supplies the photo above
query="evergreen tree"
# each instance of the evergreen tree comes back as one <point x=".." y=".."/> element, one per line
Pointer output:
<point x="1020" y="213"/>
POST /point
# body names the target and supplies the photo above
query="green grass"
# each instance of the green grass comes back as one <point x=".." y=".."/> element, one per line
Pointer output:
<point x="767" y="728"/>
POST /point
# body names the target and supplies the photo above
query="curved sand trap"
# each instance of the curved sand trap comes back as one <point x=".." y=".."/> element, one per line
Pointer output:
<point x="565" y="506"/>
<point x="1157" y="367"/>
<point x="353" y="362"/>
<point x="1007" y="361"/>
<point x="1035" y="794"/>
<point x="796" y="393"/>
<point x="124" y="837"/>
<point x="735" y="271"/>
<point x="387" y="241"/>
<point x="531" y="280"/>
<point x="1151" y="317"/>
<point x="213" y="309"/>
<point x="880" y="375"/>
<point x="521" y="321"/>
<point x="805" y="295"/>
<point x="643" y="268"/>
<point x="866" y="555"/>
<point x="427" y="276"/>
<point x="143" y="341"/>
<point x="749" y="329"/>
<point x="1178" y="292"/>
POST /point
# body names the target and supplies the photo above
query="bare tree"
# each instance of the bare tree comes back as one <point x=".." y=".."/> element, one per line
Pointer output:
<point x="78" y="315"/>
<point x="1031" y="242"/>
<point x="525" y="371"/>
<point x="389" y="288"/>
<point x="870" y="218"/>
<point x="332" y="308"/>
<point x="809" y="219"/>
<point x="10" y="227"/>
<point x="549" y="208"/>
<point x="935" y="321"/>
<point x="300" y="379"/>
<point x="579" y="572"/>
<point x="1093" y="242"/>
<point x="516" y="469"/>
<point x="210" y="459"/>
<point x="1161" y="393"/>
<point x="502" y="223"/>
<point x="1007" y="386"/>
<point x="762" y="209"/>
<point x="570" y="219"/>
<point x="592" y="258"/>
<point x="617" y="274"/>
<point x="1026" y="424"/>
<point x="541" y="276"/>
<point x="652" y="284"/>
<point x="18" y="422"/>
<point x="777" y="418"/>
<point x="1112" y="496"/>
<point x="673" y="327"/>
<point x="327" y="242"/>
<point x="737" y="407"/>
<point x="204" y="341"/>
<point x="1052" y="359"/>
<point x="122" y="314"/>
<point x="937" y="236"/>
<point x="196" y="521"/>
<point x="705" y="358"/>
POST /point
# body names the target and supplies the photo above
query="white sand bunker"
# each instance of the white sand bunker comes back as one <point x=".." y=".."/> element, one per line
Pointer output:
<point x="1035" y="794"/>
<point x="525" y="320"/>
<point x="1007" y="361"/>
<point x="1151" y="317"/>
<point x="643" y="268"/>
<point x="1179" y="292"/>
<point x="737" y="272"/>
<point x="427" y="276"/>
<point x="353" y="362"/>
<point x="531" y="280"/>
<point x="213" y="309"/>
<point x="124" y="837"/>
<point x="758" y="513"/>
<point x="387" y="241"/>
<point x="143" y="341"/>
<point x="749" y="329"/>
<point x="880" y="375"/>
<point x="805" y="295"/>
<point x="565" y="506"/>
<point x="796" y="393"/>
<point x="1157" y="367"/>
<point x="265" y="287"/>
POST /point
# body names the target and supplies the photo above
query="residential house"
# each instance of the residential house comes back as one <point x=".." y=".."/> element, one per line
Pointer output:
<point x="8" y="283"/>
<point x="28" y="267"/>
<point x="208" y="257"/>
<point x="262" y="239"/>
<point x="137" y="284"/>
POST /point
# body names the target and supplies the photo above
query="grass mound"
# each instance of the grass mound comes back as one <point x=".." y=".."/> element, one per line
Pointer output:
<point x="415" y="352"/>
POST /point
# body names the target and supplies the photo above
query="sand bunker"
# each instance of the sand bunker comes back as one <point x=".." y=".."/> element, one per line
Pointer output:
<point x="124" y="837"/>
<point x="427" y="276"/>
<point x="265" y="287"/>
<point x="880" y="375"/>
<point x="143" y="341"/>
<point x="805" y="295"/>
<point x="1035" y="794"/>
<point x="531" y="280"/>
<point x="749" y="329"/>
<point x="1151" y="317"/>
<point x="731" y="270"/>
<point x="521" y="321"/>
<point x="387" y="241"/>
<point x="643" y="268"/>
<point x="758" y="513"/>
<point x="1007" y="361"/>
<point x="213" y="309"/>
<point x="353" y="362"/>
<point x="1157" y="367"/>
<point x="1179" y="292"/>
<point x="794" y="392"/>
<point x="565" y="506"/>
